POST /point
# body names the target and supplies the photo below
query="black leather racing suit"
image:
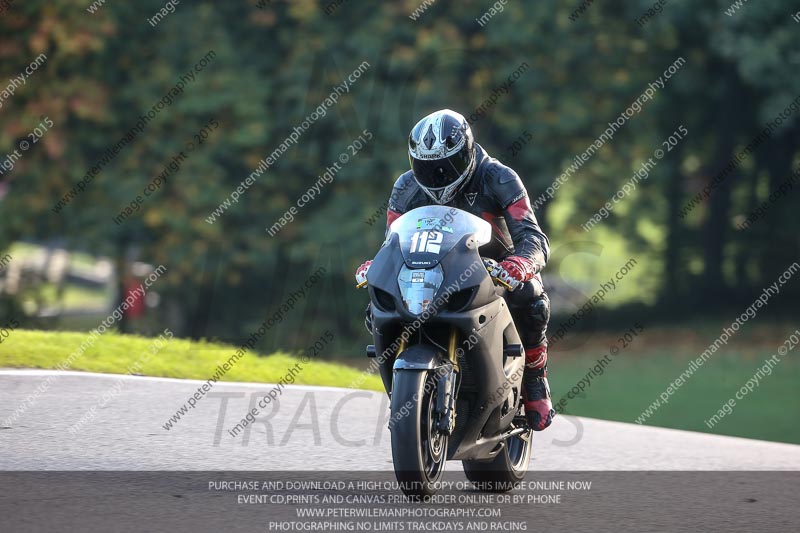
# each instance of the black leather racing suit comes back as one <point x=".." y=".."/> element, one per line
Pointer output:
<point x="496" y="193"/>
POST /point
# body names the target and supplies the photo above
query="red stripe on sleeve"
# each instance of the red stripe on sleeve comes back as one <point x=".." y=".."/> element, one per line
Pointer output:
<point x="519" y="209"/>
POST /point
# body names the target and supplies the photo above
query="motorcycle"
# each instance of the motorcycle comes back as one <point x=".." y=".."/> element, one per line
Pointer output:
<point x="449" y="355"/>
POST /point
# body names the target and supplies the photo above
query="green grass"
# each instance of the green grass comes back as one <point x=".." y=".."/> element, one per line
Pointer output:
<point x="114" y="353"/>
<point x="639" y="374"/>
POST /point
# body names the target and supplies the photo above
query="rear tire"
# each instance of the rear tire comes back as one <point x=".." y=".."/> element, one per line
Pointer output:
<point x="419" y="449"/>
<point x="506" y="470"/>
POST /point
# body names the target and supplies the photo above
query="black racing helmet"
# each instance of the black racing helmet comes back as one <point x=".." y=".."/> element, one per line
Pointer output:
<point x="441" y="151"/>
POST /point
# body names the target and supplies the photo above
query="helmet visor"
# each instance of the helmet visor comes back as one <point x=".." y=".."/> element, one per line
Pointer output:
<point x="438" y="173"/>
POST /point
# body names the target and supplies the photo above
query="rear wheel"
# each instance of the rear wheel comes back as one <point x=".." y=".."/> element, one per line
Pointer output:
<point x="506" y="470"/>
<point x="419" y="449"/>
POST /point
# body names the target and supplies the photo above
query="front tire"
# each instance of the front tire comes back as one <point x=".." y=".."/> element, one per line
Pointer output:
<point x="506" y="470"/>
<point x="419" y="449"/>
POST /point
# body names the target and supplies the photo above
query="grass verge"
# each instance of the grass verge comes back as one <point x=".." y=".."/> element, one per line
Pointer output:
<point x="115" y="353"/>
<point x="640" y="374"/>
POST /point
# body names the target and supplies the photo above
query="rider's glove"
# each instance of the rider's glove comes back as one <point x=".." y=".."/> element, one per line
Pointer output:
<point x="361" y="274"/>
<point x="512" y="271"/>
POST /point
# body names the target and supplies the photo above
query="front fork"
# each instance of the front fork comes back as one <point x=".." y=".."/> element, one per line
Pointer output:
<point x="447" y="388"/>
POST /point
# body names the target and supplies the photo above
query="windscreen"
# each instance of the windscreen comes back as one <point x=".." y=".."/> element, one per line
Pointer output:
<point x="428" y="233"/>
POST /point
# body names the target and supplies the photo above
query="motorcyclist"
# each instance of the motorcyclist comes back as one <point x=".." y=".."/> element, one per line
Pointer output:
<point x="449" y="168"/>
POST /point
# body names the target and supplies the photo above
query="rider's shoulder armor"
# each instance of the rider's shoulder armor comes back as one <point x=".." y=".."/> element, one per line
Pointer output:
<point x="497" y="182"/>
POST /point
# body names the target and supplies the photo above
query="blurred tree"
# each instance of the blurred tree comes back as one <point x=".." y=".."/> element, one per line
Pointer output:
<point x="272" y="66"/>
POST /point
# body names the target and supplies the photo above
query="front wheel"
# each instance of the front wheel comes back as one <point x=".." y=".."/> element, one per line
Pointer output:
<point x="506" y="470"/>
<point x="419" y="449"/>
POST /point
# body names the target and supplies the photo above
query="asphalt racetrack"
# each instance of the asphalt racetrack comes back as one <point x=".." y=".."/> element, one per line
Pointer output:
<point x="336" y="429"/>
<point x="112" y="429"/>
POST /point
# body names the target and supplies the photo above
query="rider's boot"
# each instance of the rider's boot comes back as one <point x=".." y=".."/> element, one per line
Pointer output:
<point x="536" y="390"/>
